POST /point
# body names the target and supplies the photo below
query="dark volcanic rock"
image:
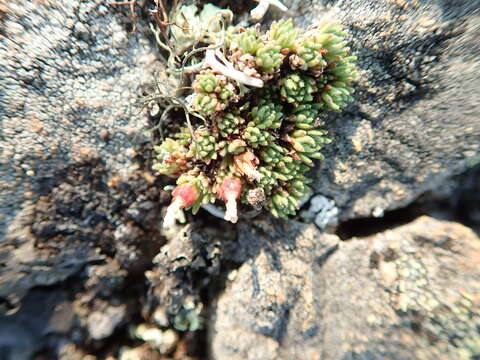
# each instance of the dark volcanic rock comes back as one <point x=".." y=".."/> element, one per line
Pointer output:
<point x="183" y="267"/>
<point x="406" y="293"/>
<point x="186" y="267"/>
<point x="70" y="77"/>
<point x="415" y="120"/>
<point x="78" y="211"/>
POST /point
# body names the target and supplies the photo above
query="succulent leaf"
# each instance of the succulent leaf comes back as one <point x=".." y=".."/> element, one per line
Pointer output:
<point x="205" y="104"/>
<point x="283" y="33"/>
<point x="229" y="124"/>
<point x="248" y="41"/>
<point x="267" y="116"/>
<point x="310" y="52"/>
<point x="269" y="57"/>
<point x="296" y="89"/>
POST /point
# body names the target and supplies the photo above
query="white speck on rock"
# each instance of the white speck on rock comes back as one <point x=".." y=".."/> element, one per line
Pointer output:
<point x="378" y="212"/>
<point x="322" y="211"/>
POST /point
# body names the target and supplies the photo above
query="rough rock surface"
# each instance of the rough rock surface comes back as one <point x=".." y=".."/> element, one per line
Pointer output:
<point x="414" y="122"/>
<point x="78" y="211"/>
<point x="70" y="79"/>
<point x="81" y="254"/>
<point x="186" y="265"/>
<point x="411" y="292"/>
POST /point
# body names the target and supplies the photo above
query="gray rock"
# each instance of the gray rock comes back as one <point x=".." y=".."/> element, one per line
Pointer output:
<point x="280" y="265"/>
<point x="74" y="193"/>
<point x="69" y="93"/>
<point x="16" y="341"/>
<point x="411" y="290"/>
<point x="42" y="314"/>
<point x="26" y="267"/>
<point x="458" y="199"/>
<point x="405" y="293"/>
<point x="184" y="267"/>
<point x="415" y="119"/>
<point x="70" y="87"/>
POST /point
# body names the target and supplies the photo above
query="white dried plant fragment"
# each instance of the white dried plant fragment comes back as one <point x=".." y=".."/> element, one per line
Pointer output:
<point x="229" y="71"/>
<point x="231" y="213"/>
<point x="261" y="9"/>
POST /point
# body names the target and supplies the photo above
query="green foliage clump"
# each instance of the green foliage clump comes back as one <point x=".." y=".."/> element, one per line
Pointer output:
<point x="204" y="146"/>
<point x="255" y="136"/>
<point x="206" y="104"/>
<point x="171" y="157"/>
<point x="260" y="137"/>
<point x="269" y="57"/>
<point x="283" y="34"/>
<point x="229" y="124"/>
<point x="206" y="83"/>
<point x="297" y="89"/>
<point x="310" y="54"/>
<point x="248" y="41"/>
<point x="267" y="116"/>
<point x="200" y="182"/>
<point x="212" y="93"/>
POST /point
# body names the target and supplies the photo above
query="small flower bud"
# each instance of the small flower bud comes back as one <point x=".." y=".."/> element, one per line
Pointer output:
<point x="187" y="192"/>
<point x="184" y="196"/>
<point x="229" y="192"/>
